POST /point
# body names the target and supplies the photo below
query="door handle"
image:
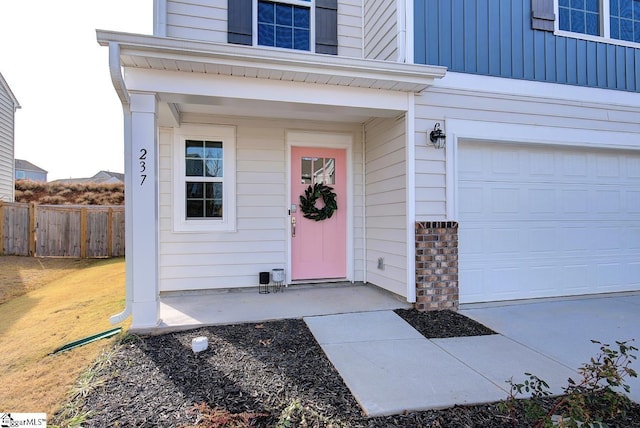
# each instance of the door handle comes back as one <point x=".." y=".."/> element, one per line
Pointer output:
<point x="293" y="227"/>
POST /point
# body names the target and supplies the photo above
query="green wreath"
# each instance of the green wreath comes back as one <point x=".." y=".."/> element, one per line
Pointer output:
<point x="311" y="195"/>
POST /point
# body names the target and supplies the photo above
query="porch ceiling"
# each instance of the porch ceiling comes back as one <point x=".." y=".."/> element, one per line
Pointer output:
<point x="161" y="53"/>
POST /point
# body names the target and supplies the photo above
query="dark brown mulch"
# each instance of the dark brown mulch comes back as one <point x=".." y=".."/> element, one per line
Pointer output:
<point x="271" y="374"/>
<point x="441" y="324"/>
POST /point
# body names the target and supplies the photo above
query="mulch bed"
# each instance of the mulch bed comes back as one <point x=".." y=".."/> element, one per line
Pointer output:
<point x="264" y="375"/>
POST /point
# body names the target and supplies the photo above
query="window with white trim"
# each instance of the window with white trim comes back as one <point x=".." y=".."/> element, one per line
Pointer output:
<point x="204" y="179"/>
<point x="284" y="23"/>
<point x="616" y="20"/>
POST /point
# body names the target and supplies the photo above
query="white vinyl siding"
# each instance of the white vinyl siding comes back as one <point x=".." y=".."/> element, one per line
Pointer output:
<point x="380" y="30"/>
<point x="206" y="20"/>
<point x="7" y="114"/>
<point x="217" y="260"/>
<point x="350" y="28"/>
<point x="385" y="164"/>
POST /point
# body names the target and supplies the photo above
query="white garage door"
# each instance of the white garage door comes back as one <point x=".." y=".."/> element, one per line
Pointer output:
<point x="546" y="221"/>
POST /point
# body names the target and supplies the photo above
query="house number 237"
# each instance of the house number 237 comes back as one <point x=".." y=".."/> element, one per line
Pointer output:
<point x="143" y="165"/>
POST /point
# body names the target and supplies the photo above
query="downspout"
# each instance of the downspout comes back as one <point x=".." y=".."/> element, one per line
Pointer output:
<point x="115" y="69"/>
<point x="410" y="130"/>
<point x="364" y="202"/>
<point x="401" y="34"/>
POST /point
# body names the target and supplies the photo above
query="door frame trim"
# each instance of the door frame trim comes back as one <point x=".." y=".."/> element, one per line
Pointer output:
<point x="339" y="140"/>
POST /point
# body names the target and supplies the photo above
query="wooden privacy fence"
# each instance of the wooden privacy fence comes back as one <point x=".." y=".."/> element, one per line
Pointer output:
<point x="78" y="231"/>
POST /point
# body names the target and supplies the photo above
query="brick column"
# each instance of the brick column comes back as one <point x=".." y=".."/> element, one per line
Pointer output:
<point x="436" y="265"/>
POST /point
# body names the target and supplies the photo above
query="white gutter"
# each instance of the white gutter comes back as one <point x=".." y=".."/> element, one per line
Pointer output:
<point x="117" y="79"/>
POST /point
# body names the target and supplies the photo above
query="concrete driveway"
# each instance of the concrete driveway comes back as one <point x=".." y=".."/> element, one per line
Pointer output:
<point x="563" y="329"/>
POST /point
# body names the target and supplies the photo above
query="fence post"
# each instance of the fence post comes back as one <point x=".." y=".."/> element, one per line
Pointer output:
<point x="1" y="228"/>
<point x="32" y="229"/>
<point x="83" y="233"/>
<point x="110" y="232"/>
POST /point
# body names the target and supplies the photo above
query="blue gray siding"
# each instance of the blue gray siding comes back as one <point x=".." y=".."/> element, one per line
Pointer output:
<point x="495" y="38"/>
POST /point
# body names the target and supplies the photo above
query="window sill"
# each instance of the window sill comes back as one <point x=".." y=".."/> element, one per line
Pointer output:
<point x="598" y="39"/>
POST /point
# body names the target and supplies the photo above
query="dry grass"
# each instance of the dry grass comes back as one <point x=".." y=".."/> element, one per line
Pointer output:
<point x="74" y="194"/>
<point x="59" y="304"/>
<point x="19" y="275"/>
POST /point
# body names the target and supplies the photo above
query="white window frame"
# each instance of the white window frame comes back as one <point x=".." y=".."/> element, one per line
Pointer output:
<point x="226" y="134"/>
<point x="605" y="28"/>
<point x="312" y="24"/>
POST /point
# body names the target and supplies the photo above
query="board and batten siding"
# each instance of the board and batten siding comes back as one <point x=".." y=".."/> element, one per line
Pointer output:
<point x="7" y="115"/>
<point x="380" y="30"/>
<point x="218" y="260"/>
<point x="386" y="197"/>
<point x="206" y="20"/>
<point x="556" y="117"/>
<point x="495" y="38"/>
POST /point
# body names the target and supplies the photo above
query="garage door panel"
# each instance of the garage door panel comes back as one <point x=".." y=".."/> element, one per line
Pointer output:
<point x="554" y="222"/>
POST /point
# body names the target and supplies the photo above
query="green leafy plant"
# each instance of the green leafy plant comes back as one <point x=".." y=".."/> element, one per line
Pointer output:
<point x="595" y="398"/>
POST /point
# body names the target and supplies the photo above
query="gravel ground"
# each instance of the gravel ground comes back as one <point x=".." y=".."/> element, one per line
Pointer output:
<point x="266" y="375"/>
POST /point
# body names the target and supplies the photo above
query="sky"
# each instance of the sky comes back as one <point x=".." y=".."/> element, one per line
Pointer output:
<point x="70" y="122"/>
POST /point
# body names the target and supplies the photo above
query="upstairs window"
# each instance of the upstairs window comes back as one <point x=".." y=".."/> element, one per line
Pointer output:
<point x="303" y="25"/>
<point x="618" y="21"/>
<point x="580" y="16"/>
<point x="625" y="20"/>
<point x="284" y="24"/>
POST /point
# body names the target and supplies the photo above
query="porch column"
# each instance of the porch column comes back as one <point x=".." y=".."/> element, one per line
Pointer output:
<point x="142" y="204"/>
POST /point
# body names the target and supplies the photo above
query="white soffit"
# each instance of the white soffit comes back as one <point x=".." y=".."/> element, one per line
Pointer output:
<point x="160" y="53"/>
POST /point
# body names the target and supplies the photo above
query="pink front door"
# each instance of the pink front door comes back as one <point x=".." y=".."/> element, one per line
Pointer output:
<point x="318" y="248"/>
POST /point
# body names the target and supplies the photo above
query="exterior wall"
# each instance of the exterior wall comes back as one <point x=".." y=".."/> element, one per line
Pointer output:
<point x="380" y="29"/>
<point x="437" y="265"/>
<point x="495" y="38"/>
<point x="7" y="115"/>
<point x="350" y="28"/>
<point x="569" y="115"/>
<point x="385" y="187"/>
<point x="206" y="20"/>
<point x="196" y="261"/>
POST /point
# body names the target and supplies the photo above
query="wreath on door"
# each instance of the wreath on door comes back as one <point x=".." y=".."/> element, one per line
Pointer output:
<point x="311" y="195"/>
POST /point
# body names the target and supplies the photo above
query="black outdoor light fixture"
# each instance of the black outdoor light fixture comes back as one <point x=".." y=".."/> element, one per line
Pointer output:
<point x="437" y="137"/>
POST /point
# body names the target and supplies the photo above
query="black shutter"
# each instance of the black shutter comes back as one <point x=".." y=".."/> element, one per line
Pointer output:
<point x="326" y="27"/>
<point x="542" y="15"/>
<point x="240" y="22"/>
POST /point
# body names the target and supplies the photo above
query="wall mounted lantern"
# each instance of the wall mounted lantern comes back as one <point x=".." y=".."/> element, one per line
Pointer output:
<point x="437" y="137"/>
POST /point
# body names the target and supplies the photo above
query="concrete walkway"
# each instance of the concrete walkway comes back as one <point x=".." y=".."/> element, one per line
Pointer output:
<point x="391" y="368"/>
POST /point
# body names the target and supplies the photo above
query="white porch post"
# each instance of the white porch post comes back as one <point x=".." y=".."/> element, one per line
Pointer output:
<point x="142" y="204"/>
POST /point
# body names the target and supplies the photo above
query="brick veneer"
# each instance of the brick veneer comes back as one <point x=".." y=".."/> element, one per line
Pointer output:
<point x="436" y="265"/>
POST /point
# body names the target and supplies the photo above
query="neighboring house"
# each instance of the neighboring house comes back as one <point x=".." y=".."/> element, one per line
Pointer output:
<point x="25" y="170"/>
<point x="102" y="177"/>
<point x="8" y="106"/>
<point x="232" y="109"/>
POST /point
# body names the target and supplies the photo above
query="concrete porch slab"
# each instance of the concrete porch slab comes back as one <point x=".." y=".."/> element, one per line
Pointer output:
<point x="191" y="310"/>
